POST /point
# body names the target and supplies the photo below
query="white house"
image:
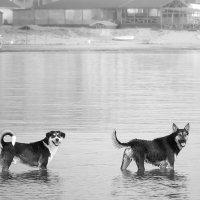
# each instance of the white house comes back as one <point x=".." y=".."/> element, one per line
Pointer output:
<point x="6" y="7"/>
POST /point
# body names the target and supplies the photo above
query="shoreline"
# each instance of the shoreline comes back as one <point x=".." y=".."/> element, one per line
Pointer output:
<point x="37" y="38"/>
<point x="118" y="47"/>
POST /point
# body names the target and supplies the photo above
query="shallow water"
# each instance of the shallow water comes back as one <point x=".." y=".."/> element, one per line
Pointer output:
<point x="87" y="95"/>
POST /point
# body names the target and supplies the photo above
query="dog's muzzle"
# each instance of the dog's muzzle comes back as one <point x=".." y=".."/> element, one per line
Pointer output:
<point x="56" y="142"/>
<point x="182" y="143"/>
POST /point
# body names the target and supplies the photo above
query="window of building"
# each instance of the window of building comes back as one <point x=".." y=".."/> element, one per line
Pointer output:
<point x="133" y="12"/>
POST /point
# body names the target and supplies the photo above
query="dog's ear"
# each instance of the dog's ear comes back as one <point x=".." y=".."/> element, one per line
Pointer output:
<point x="48" y="134"/>
<point x="174" y="128"/>
<point x="46" y="139"/>
<point x="187" y="127"/>
<point x="62" y="134"/>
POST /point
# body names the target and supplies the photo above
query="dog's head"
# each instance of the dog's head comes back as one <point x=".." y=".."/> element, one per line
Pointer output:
<point x="181" y="135"/>
<point x="55" y="138"/>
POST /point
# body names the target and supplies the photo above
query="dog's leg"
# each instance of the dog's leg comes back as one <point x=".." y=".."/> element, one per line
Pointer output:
<point x="171" y="165"/>
<point x="42" y="162"/>
<point x="163" y="164"/>
<point x="7" y="158"/>
<point x="171" y="160"/>
<point x="127" y="158"/>
<point x="139" y="158"/>
<point x="140" y="163"/>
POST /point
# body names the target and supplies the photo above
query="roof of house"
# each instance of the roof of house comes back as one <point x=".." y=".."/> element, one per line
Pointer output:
<point x="95" y="4"/>
<point x="7" y="4"/>
<point x="148" y="3"/>
<point x="83" y="4"/>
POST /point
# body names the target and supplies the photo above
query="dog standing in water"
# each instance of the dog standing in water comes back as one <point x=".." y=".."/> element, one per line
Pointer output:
<point x="159" y="152"/>
<point x="37" y="154"/>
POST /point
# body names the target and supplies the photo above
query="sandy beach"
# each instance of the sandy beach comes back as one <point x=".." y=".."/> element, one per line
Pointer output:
<point x="38" y="38"/>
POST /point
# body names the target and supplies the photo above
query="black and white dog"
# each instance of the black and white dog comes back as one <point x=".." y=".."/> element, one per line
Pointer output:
<point x="37" y="154"/>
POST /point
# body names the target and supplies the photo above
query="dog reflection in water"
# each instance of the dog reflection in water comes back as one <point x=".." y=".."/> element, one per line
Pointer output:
<point x="36" y="154"/>
<point x="159" y="152"/>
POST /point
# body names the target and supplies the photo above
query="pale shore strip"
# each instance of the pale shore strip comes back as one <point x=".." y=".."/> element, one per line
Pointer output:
<point x="87" y="39"/>
<point x="118" y="47"/>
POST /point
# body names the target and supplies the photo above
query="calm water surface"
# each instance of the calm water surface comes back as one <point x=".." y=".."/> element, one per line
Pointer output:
<point x="87" y="95"/>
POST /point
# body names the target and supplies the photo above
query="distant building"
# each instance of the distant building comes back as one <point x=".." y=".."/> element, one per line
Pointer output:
<point x="124" y="12"/>
<point x="192" y="1"/>
<point x="1" y="18"/>
<point x="32" y="3"/>
<point x="6" y="9"/>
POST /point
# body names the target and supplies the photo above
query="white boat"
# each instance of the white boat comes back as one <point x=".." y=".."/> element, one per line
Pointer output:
<point x="124" y="38"/>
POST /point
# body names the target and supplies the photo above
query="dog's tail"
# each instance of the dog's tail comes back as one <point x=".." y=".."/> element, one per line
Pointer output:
<point x="9" y="133"/>
<point x="117" y="143"/>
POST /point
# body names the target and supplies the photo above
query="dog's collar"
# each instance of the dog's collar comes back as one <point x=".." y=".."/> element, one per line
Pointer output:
<point x="45" y="144"/>
<point x="52" y="151"/>
<point x="49" y="147"/>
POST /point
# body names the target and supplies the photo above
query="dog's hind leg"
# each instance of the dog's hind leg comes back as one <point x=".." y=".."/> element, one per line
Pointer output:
<point x="127" y="158"/>
<point x="139" y="159"/>
<point x="6" y="159"/>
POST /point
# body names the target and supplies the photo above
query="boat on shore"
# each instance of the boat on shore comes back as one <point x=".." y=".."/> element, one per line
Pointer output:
<point x="124" y="38"/>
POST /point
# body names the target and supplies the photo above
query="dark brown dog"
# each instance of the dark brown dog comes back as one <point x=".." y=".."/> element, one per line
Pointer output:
<point x="159" y="152"/>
